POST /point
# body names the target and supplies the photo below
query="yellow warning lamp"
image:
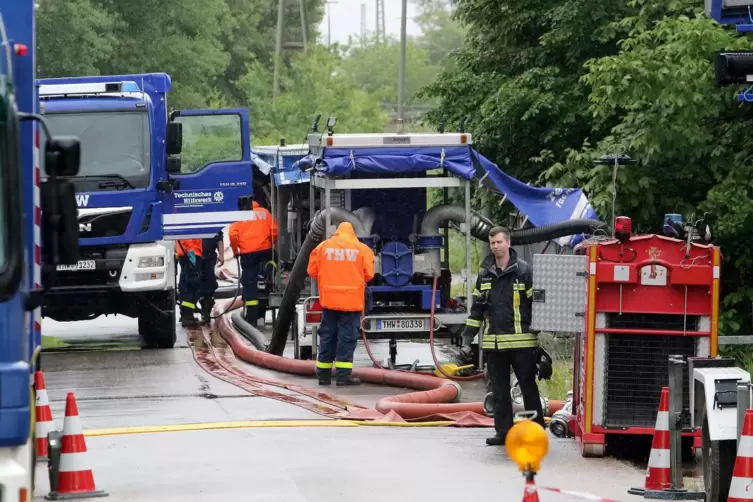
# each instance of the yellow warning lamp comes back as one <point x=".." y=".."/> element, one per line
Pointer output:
<point x="527" y="444"/>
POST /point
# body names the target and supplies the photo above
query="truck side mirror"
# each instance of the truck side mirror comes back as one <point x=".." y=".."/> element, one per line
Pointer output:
<point x="62" y="156"/>
<point x="174" y="142"/>
<point x="60" y="225"/>
<point x="173" y="165"/>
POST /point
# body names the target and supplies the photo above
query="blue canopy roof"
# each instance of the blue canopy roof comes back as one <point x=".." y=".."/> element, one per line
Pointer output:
<point x="542" y="205"/>
<point x="400" y="160"/>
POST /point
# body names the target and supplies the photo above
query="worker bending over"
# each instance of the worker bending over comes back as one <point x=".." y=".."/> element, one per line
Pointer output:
<point x="212" y="253"/>
<point x="502" y="302"/>
<point x="253" y="240"/>
<point x="189" y="253"/>
<point x="342" y="266"/>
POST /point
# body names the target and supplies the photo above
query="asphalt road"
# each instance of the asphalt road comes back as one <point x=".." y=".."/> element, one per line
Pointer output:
<point x="118" y="386"/>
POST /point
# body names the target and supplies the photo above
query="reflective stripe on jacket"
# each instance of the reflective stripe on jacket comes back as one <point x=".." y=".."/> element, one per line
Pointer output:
<point x="342" y="265"/>
<point x="502" y="305"/>
<point x="257" y="233"/>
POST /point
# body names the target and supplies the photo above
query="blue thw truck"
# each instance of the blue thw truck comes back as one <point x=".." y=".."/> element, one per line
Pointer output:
<point x="148" y="177"/>
<point x="37" y="228"/>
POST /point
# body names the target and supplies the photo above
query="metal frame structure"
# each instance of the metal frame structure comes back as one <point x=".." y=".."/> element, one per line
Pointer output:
<point x="323" y="185"/>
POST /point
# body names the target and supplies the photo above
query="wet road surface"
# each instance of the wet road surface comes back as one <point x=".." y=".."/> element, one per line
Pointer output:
<point x="127" y="388"/>
<point x="339" y="464"/>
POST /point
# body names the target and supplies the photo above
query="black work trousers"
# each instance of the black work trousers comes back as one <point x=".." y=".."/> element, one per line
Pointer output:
<point x="523" y="361"/>
<point x="189" y="285"/>
<point x="209" y="282"/>
<point x="251" y="265"/>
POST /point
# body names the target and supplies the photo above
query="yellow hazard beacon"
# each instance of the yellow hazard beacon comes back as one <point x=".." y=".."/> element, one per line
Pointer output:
<point x="527" y="444"/>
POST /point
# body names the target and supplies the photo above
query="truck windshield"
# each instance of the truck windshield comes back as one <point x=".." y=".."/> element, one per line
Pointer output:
<point x="112" y="143"/>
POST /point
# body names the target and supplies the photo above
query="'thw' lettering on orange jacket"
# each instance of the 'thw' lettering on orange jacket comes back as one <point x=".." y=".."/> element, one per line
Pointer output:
<point x="257" y="233"/>
<point x="342" y="265"/>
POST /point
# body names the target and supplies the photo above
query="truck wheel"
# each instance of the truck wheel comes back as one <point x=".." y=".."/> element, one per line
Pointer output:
<point x="718" y="459"/>
<point x="157" y="325"/>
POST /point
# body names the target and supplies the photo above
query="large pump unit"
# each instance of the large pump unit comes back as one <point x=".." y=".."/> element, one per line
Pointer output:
<point x="381" y="184"/>
<point x="632" y="301"/>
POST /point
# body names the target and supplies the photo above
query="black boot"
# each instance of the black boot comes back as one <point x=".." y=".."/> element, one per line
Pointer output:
<point x="347" y="379"/>
<point x="207" y="303"/>
<point x="496" y="440"/>
<point x="187" y="320"/>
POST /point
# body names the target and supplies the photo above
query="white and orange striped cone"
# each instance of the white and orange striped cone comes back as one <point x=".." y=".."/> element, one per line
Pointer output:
<point x="742" y="475"/>
<point x="75" y="478"/>
<point x="43" y="417"/>
<point x="530" y="493"/>
<point x="659" y="472"/>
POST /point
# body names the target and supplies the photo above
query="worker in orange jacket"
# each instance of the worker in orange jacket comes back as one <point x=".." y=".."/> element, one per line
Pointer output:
<point x="253" y="240"/>
<point x="342" y="266"/>
<point x="189" y="253"/>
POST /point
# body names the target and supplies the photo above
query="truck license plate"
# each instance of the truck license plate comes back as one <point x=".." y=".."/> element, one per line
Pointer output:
<point x="402" y="324"/>
<point x="81" y="265"/>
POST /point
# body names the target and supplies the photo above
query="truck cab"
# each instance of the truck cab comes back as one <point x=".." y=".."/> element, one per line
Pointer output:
<point x="148" y="177"/>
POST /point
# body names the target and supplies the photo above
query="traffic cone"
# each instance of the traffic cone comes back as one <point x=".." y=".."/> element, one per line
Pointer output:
<point x="659" y="474"/>
<point x="739" y="488"/>
<point x="43" y="415"/>
<point x="75" y="478"/>
<point x="530" y="493"/>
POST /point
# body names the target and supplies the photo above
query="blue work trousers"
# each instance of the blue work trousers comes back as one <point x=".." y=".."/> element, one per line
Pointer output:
<point x="251" y="265"/>
<point x="338" y="337"/>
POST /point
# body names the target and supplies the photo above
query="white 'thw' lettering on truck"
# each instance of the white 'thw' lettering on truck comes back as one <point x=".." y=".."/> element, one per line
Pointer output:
<point x="82" y="200"/>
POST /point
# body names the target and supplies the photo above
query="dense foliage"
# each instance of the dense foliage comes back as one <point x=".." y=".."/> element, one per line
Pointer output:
<point x="549" y="86"/>
<point x="553" y="85"/>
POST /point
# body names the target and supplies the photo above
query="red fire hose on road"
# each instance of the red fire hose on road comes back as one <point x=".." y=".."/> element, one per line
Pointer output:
<point x="435" y="396"/>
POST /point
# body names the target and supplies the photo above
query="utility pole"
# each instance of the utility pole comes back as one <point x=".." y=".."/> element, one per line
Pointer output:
<point x="280" y="44"/>
<point x="278" y="48"/>
<point x="329" y="24"/>
<point x="363" y="20"/>
<point x="380" y="31"/>
<point x="403" y="37"/>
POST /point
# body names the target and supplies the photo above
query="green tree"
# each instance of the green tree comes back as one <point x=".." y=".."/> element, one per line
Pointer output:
<point x="75" y="37"/>
<point x="375" y="66"/>
<point x="517" y="75"/>
<point x="315" y="82"/>
<point x="688" y="136"/>
<point x="180" y="38"/>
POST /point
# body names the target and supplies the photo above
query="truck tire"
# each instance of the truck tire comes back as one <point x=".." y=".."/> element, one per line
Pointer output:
<point x="157" y="325"/>
<point x="718" y="458"/>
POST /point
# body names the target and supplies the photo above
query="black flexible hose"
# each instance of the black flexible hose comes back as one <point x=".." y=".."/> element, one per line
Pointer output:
<point x="298" y="274"/>
<point x="480" y="228"/>
<point x="555" y="231"/>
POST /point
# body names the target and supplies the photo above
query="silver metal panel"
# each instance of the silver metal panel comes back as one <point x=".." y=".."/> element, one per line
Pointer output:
<point x="383" y="183"/>
<point x="559" y="293"/>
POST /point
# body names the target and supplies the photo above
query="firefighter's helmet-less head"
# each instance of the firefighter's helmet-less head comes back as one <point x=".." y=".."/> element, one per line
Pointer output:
<point x="544" y="365"/>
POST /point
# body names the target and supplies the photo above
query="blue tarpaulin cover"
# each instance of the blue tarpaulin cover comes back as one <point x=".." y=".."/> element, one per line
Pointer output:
<point x="542" y="205"/>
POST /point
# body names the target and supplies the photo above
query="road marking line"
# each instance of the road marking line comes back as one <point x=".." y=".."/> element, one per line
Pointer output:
<point x="403" y="424"/>
<point x="253" y="424"/>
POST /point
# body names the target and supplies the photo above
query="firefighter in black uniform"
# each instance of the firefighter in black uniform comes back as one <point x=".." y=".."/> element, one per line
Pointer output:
<point x="213" y="253"/>
<point x="502" y="303"/>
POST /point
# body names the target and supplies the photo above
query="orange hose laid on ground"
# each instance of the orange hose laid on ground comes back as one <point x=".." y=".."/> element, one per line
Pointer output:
<point x="435" y="396"/>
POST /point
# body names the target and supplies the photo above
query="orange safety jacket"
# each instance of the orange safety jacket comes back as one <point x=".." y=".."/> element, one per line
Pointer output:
<point x="257" y="233"/>
<point x="342" y="265"/>
<point x="194" y="245"/>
